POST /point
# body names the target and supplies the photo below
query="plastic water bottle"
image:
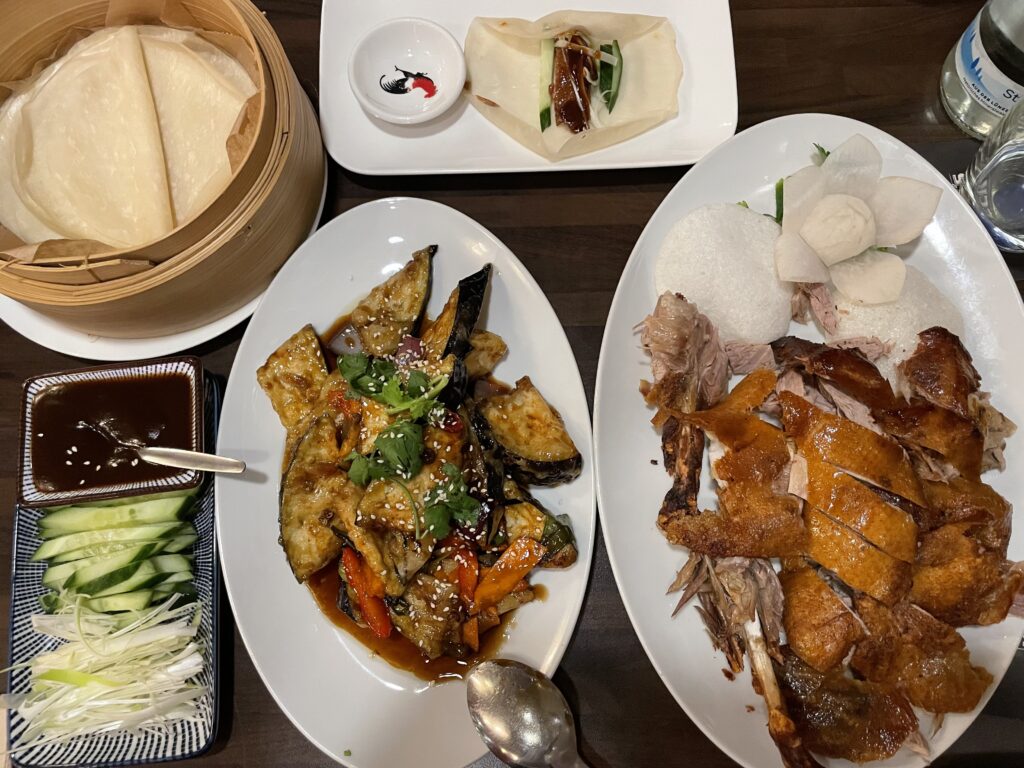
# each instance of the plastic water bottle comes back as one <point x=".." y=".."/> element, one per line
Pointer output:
<point x="983" y="77"/>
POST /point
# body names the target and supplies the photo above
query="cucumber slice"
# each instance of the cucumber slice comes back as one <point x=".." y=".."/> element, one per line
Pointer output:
<point x="165" y="590"/>
<point x="78" y="519"/>
<point x="178" y="543"/>
<point x="146" y="574"/>
<point x="136" y="534"/>
<point x="56" y="576"/>
<point x="610" y="75"/>
<point x="128" y="601"/>
<point x="188" y="492"/>
<point x="173" y="544"/>
<point x="172" y="563"/>
<point x="545" y="73"/>
<point x="172" y="580"/>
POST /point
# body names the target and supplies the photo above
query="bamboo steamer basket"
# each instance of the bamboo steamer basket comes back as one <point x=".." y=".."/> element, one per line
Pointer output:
<point x="268" y="210"/>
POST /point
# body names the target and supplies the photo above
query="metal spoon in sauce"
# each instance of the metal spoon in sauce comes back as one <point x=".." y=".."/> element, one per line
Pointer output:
<point x="168" y="457"/>
<point x="182" y="459"/>
<point x="521" y="716"/>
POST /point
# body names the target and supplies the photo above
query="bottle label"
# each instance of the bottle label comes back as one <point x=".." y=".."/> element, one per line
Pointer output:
<point x="981" y="78"/>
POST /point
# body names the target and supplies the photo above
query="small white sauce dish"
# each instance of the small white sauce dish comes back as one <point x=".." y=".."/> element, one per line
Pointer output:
<point x="407" y="71"/>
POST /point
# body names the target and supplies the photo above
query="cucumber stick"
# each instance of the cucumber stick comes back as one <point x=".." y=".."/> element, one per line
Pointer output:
<point x="79" y="519"/>
<point x="610" y="75"/>
<point x="127" y="601"/>
<point x="130" y="577"/>
<point x="545" y="73"/>
<point x="59" y="575"/>
<point x="139" y="533"/>
<point x="172" y="544"/>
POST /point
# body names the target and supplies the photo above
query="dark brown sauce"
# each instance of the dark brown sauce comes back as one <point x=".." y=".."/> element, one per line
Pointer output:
<point x="81" y="425"/>
<point x="397" y="650"/>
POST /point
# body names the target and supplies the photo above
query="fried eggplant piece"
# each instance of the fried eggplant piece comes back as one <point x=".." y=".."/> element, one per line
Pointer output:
<point x="844" y="718"/>
<point x="960" y="583"/>
<point x="878" y="459"/>
<point x="486" y="350"/>
<point x="820" y="628"/>
<point x="923" y="657"/>
<point x="293" y="376"/>
<point x="529" y="436"/>
<point x="857" y="563"/>
<point x="450" y="332"/>
<point x="430" y="615"/>
<point x="316" y="497"/>
<point x="394" y="309"/>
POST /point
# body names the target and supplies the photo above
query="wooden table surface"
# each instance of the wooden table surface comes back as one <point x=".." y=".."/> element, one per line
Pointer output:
<point x="875" y="60"/>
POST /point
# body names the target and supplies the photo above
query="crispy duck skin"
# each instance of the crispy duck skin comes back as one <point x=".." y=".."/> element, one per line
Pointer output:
<point x="856" y="562"/>
<point x="925" y="658"/>
<point x="941" y="371"/>
<point x="570" y="89"/>
<point x="959" y="583"/>
<point x="946" y="414"/>
<point x="951" y="436"/>
<point x="756" y="517"/>
<point x="853" y="504"/>
<point x="875" y="458"/>
<point x="966" y="501"/>
<point x="820" y="628"/>
<point x="842" y="717"/>
<point x="847" y="369"/>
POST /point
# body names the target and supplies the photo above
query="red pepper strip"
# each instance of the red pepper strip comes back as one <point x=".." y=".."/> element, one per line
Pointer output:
<point x="369" y="592"/>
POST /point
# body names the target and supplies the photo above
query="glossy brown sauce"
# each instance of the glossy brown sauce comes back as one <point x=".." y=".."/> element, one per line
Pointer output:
<point x="397" y="650"/>
<point x="80" y="428"/>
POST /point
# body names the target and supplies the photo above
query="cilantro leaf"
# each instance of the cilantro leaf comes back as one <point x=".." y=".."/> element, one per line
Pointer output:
<point x="449" y="500"/>
<point x="401" y="447"/>
<point x="378" y="379"/>
<point x="353" y="366"/>
<point x="437" y="521"/>
<point x="417" y="384"/>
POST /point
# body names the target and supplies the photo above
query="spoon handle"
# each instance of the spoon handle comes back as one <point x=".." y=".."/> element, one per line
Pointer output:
<point x="177" y="457"/>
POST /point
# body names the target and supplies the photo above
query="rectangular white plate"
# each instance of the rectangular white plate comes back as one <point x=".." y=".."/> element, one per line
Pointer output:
<point x="462" y="141"/>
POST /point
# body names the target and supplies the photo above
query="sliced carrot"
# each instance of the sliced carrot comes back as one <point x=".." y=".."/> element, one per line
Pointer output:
<point x="471" y="634"/>
<point x="513" y="565"/>
<point x="369" y="592"/>
<point x="469" y="574"/>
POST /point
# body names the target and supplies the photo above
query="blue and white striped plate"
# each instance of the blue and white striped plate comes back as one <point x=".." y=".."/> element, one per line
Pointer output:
<point x="177" y="741"/>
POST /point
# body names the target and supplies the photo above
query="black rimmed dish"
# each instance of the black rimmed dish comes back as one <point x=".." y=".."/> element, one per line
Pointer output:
<point x="78" y="428"/>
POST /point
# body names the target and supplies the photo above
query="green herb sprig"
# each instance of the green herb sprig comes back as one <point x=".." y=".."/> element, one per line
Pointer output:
<point x="398" y="452"/>
<point x="379" y="379"/>
<point x="447" y="501"/>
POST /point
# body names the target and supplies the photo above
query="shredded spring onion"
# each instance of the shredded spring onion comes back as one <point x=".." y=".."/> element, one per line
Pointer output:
<point x="114" y="673"/>
<point x="595" y="53"/>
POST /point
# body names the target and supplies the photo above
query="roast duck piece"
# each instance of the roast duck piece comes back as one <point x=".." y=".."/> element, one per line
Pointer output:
<point x="872" y="500"/>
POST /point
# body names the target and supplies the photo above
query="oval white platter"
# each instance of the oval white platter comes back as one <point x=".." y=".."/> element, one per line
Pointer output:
<point x="353" y="706"/>
<point x="954" y="251"/>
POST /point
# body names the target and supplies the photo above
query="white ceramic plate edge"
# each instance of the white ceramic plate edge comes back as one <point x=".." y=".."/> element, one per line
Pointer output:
<point x="617" y="564"/>
<point x="55" y="335"/>
<point x="585" y="562"/>
<point x="338" y="150"/>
